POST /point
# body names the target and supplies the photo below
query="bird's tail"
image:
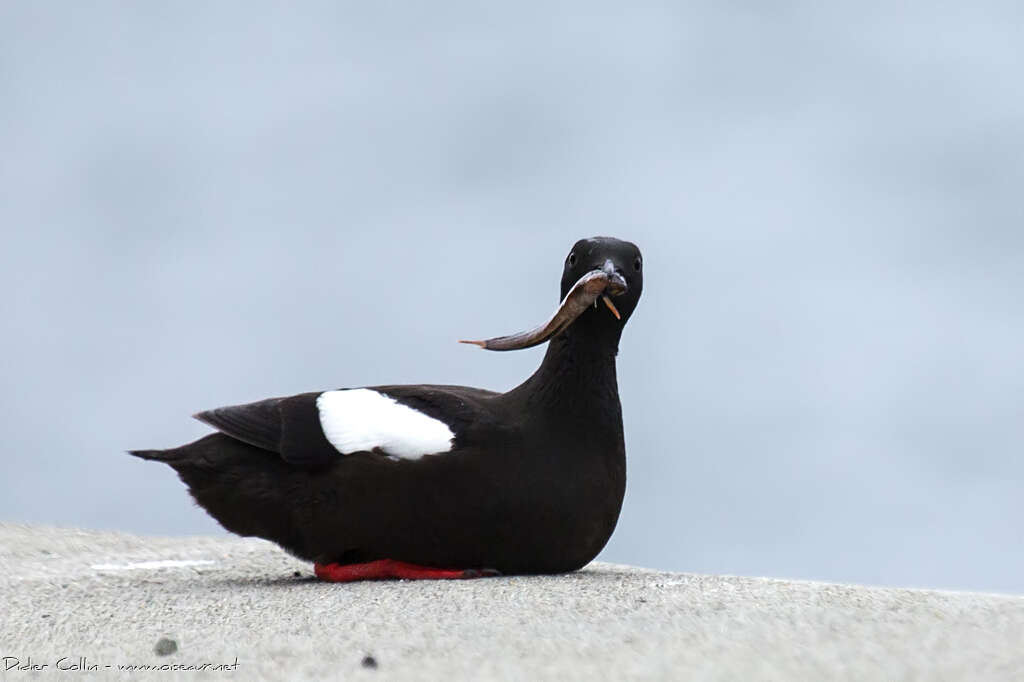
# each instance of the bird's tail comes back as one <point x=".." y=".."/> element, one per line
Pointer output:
<point x="248" y="490"/>
<point x="154" y="455"/>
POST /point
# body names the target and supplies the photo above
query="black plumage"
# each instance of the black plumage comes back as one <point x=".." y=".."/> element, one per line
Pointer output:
<point x="533" y="481"/>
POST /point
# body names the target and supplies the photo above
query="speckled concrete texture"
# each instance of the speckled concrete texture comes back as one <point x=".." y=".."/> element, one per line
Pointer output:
<point x="86" y="598"/>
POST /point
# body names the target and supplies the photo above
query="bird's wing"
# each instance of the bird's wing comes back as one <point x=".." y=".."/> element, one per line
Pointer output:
<point x="312" y="430"/>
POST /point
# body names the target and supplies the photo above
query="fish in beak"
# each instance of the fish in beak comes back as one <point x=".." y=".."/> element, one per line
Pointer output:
<point x="594" y="285"/>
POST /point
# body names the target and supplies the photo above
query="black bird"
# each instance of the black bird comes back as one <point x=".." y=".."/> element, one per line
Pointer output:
<point x="440" y="481"/>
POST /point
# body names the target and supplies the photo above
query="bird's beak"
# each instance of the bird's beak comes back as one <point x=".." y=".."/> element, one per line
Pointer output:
<point x="585" y="292"/>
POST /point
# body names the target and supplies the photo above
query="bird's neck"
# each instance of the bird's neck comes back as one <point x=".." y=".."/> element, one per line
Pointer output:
<point x="577" y="375"/>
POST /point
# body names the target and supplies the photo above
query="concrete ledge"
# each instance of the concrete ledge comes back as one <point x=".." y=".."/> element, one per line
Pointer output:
<point x="108" y="598"/>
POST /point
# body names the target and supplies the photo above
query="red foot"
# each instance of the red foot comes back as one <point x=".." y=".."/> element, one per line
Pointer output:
<point x="384" y="569"/>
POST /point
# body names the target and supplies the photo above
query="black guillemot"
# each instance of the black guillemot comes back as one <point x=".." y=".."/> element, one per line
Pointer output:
<point x="432" y="481"/>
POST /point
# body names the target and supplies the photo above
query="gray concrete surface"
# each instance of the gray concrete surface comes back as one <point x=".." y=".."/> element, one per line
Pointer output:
<point x="111" y="597"/>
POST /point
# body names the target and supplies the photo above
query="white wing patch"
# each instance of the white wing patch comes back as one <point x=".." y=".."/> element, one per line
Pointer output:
<point x="358" y="420"/>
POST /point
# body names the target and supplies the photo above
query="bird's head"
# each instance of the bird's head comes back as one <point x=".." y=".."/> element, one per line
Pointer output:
<point x="601" y="285"/>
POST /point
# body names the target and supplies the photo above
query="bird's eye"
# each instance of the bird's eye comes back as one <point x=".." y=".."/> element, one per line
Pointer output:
<point x="637" y="264"/>
<point x="572" y="258"/>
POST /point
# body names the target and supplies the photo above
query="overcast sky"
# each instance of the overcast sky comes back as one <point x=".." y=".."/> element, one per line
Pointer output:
<point x="205" y="205"/>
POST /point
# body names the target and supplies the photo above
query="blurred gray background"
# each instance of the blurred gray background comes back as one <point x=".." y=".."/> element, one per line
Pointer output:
<point x="212" y="203"/>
